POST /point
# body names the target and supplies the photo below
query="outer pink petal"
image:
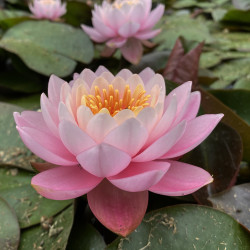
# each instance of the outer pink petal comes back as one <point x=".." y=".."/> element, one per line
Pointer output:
<point x="146" y="75"/>
<point x="84" y="115"/>
<point x="65" y="114"/>
<point x="103" y="29"/>
<point x="140" y="176"/>
<point x="104" y="160"/>
<point x="88" y="76"/>
<point x="118" y="210"/>
<point x="63" y="183"/>
<point x="101" y="69"/>
<point x="125" y="74"/>
<point x="162" y="145"/>
<point x="154" y="17"/>
<point x="129" y="137"/>
<point x="128" y="29"/>
<point x="94" y="35"/>
<point x="74" y="138"/>
<point x="132" y="50"/>
<point x="197" y="131"/>
<point x="116" y="42"/>
<point x="144" y="35"/>
<point x="46" y="146"/>
<point x="182" y="179"/>
<point x="148" y="118"/>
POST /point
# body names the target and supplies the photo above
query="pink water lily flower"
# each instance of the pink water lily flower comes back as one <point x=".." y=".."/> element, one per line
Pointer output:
<point x="47" y="9"/>
<point x="115" y="138"/>
<point x="125" y="24"/>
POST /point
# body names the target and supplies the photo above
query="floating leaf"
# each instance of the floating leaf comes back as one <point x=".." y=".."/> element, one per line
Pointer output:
<point x="223" y="166"/>
<point x="242" y="83"/>
<point x="16" y="189"/>
<point x="54" y="237"/>
<point x="48" y="48"/>
<point x="235" y="202"/>
<point x="9" y="228"/>
<point x="188" y="226"/>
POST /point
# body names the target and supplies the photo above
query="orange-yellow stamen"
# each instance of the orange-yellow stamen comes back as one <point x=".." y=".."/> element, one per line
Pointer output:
<point x="111" y="101"/>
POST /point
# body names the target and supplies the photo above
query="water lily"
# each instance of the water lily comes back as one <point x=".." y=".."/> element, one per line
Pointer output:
<point x="125" y="24"/>
<point x="115" y="138"/>
<point x="47" y="9"/>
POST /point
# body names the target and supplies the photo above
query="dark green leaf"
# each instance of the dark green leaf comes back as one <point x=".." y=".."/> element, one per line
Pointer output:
<point x="235" y="202"/>
<point x="186" y="227"/>
<point x="9" y="228"/>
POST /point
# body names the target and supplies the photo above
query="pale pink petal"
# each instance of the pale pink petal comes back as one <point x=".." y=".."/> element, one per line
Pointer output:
<point x="130" y="136"/>
<point x="147" y="34"/>
<point x="118" y="210"/>
<point x="32" y="119"/>
<point x="65" y="114"/>
<point x="100" y="125"/>
<point x="197" y="131"/>
<point x="117" y="42"/>
<point x="125" y="74"/>
<point x="146" y="75"/>
<point x="103" y="29"/>
<point x="104" y="160"/>
<point x="116" y="19"/>
<point x="54" y="89"/>
<point x="101" y="69"/>
<point x="101" y="83"/>
<point x="88" y="76"/>
<point x="108" y="76"/>
<point x="94" y="35"/>
<point x="156" y="84"/>
<point x="138" y="14"/>
<point x="119" y="84"/>
<point x="46" y="146"/>
<point x="162" y="145"/>
<point x="63" y="183"/>
<point x="128" y="29"/>
<point x="74" y="138"/>
<point x="132" y="50"/>
<point x="148" y="5"/>
<point x="124" y="115"/>
<point x="133" y="81"/>
<point x="154" y="17"/>
<point x="182" y="179"/>
<point x="148" y="118"/>
<point x="140" y="176"/>
<point x="84" y="115"/>
<point x="65" y="92"/>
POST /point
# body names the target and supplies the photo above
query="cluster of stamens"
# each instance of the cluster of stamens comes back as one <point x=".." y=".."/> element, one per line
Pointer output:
<point x="118" y="4"/>
<point x="110" y="100"/>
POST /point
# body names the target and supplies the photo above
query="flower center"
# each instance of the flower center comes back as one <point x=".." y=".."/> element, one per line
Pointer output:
<point x="48" y="2"/>
<point x="119" y="3"/>
<point x="110" y="102"/>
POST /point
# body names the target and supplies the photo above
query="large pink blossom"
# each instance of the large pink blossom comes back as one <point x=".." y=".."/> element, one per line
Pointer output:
<point x="125" y="24"/>
<point x="115" y="138"/>
<point x="47" y="9"/>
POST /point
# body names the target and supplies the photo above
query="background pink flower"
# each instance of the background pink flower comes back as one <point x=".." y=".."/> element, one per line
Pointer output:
<point x="115" y="138"/>
<point x="48" y="9"/>
<point x="125" y="24"/>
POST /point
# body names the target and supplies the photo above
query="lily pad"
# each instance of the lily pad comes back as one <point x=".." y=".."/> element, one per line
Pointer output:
<point x="196" y="227"/>
<point x="235" y="202"/>
<point x="9" y="228"/>
<point x="54" y="237"/>
<point x="16" y="189"/>
<point x="48" y="48"/>
<point x="242" y="83"/>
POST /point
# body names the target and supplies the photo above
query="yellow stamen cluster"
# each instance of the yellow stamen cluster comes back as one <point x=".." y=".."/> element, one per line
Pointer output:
<point x="48" y="1"/>
<point x="110" y="100"/>
<point x="118" y="4"/>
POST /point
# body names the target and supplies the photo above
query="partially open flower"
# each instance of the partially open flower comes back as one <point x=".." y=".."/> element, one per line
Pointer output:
<point x="125" y="24"/>
<point x="47" y="9"/>
<point x="115" y="138"/>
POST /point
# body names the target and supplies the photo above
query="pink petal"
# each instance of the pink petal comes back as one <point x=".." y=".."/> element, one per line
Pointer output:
<point x="140" y="176"/>
<point x="147" y="34"/>
<point x="88" y="76"/>
<point x="182" y="179"/>
<point x="125" y="74"/>
<point x="74" y="138"/>
<point x="64" y="183"/>
<point x="101" y="69"/>
<point x="128" y="29"/>
<point x="146" y="75"/>
<point x="100" y="125"/>
<point x="197" y="131"/>
<point x="123" y="116"/>
<point x="116" y="19"/>
<point x="132" y="50"/>
<point x="46" y="146"/>
<point x="118" y="210"/>
<point x="107" y="76"/>
<point x="84" y="115"/>
<point x="103" y="29"/>
<point x="54" y="89"/>
<point x="65" y="114"/>
<point x="130" y="136"/>
<point x="148" y="118"/>
<point x="104" y="160"/>
<point x="137" y="13"/>
<point x="94" y="35"/>
<point x="154" y="17"/>
<point x="116" y="42"/>
<point x="162" y="145"/>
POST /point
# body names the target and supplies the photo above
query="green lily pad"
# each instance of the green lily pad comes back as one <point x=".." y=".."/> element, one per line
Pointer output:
<point x="242" y="83"/>
<point x="181" y="25"/>
<point x="9" y="228"/>
<point x="186" y="227"/>
<point x="16" y="189"/>
<point x="52" y="237"/>
<point x="237" y="99"/>
<point x="234" y="202"/>
<point x="48" y="48"/>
